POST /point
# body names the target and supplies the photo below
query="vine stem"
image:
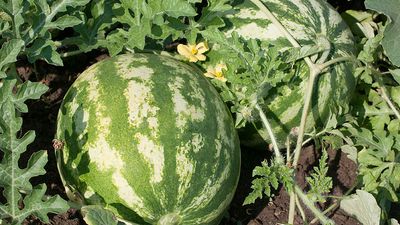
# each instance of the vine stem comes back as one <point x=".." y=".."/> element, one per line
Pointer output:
<point x="314" y="72"/>
<point x="310" y="205"/>
<point x="390" y="103"/>
<point x="71" y="53"/>
<point x="278" y="155"/>
<point x="307" y="102"/>
<point x="386" y="98"/>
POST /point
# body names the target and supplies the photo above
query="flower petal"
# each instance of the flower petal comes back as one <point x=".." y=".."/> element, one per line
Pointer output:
<point x="220" y="66"/>
<point x="184" y="50"/>
<point x="202" y="47"/>
<point x="209" y="74"/>
<point x="200" y="57"/>
<point x="193" y="58"/>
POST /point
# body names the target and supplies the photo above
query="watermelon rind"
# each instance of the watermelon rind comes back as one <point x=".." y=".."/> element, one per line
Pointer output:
<point x="149" y="138"/>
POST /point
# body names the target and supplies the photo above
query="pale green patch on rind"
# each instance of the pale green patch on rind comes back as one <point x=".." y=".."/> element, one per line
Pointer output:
<point x="142" y="72"/>
<point x="104" y="156"/>
<point x="182" y="108"/>
<point x="140" y="108"/>
<point x="153" y="154"/>
<point x="127" y="194"/>
<point x="184" y="168"/>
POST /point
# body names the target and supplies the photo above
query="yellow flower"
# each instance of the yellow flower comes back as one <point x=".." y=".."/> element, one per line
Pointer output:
<point x="193" y="52"/>
<point x="216" y="72"/>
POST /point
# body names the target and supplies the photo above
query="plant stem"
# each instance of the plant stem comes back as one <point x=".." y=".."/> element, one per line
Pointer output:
<point x="298" y="205"/>
<point x="386" y="98"/>
<point x="278" y="155"/>
<point x="288" y="156"/>
<point x="315" y="70"/>
<point x="292" y="207"/>
<point x="311" y="206"/>
<point x="307" y="102"/>
<point x="329" y="63"/>
<point x="71" y="53"/>
<point x="335" y="204"/>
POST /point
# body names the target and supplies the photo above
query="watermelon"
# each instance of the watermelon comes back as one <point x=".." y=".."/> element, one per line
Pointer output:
<point x="149" y="138"/>
<point x="310" y="22"/>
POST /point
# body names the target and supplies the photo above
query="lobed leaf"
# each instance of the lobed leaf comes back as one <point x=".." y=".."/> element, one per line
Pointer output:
<point x="14" y="180"/>
<point x="390" y="41"/>
<point x="97" y="215"/>
<point x="9" y="52"/>
<point x="363" y="206"/>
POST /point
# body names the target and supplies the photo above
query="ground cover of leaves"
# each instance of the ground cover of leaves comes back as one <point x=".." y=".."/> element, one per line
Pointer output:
<point x="42" y="118"/>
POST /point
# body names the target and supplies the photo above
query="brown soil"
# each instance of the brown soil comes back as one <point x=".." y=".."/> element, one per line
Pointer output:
<point x="42" y="118"/>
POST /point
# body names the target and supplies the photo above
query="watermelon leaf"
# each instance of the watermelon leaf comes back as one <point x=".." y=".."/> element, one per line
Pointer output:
<point x="390" y="42"/>
<point x="9" y="52"/>
<point x="319" y="181"/>
<point x="91" y="31"/>
<point x="363" y="206"/>
<point x="97" y="215"/>
<point x="27" y="27"/>
<point x="263" y="69"/>
<point x="268" y="177"/>
<point x="13" y="179"/>
<point x="146" y="20"/>
<point x="378" y="165"/>
<point x="214" y="12"/>
<point x="396" y="75"/>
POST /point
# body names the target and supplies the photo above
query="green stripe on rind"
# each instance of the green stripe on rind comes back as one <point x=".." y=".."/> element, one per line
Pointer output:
<point x="306" y="20"/>
<point x="140" y="161"/>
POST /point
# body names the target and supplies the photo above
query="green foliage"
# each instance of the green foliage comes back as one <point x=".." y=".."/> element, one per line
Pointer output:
<point x="379" y="166"/>
<point x="15" y="180"/>
<point x="268" y="177"/>
<point x="8" y="54"/>
<point x="28" y="26"/>
<point x="363" y="206"/>
<point x="97" y="215"/>
<point x="319" y="181"/>
<point x="254" y="77"/>
<point x="390" y="41"/>
<point x="374" y="132"/>
<point x="154" y="19"/>
<point x="96" y="22"/>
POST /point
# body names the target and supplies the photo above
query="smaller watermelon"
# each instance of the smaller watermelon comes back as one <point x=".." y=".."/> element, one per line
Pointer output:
<point x="309" y="22"/>
<point x="149" y="138"/>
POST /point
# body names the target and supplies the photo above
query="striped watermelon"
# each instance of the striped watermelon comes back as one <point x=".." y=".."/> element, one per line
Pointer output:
<point x="149" y="138"/>
<point x="309" y="22"/>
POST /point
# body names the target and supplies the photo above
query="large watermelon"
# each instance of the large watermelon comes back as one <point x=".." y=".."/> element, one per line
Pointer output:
<point x="309" y="22"/>
<point x="149" y="138"/>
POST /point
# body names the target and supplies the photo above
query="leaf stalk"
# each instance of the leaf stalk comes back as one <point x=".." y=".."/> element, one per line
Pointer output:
<point x="278" y="155"/>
